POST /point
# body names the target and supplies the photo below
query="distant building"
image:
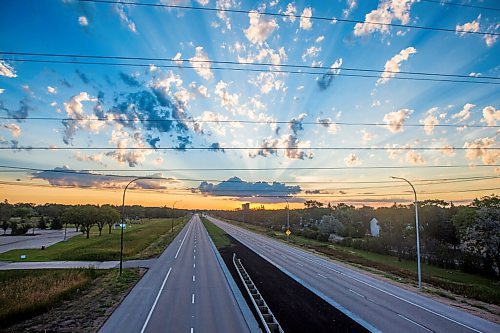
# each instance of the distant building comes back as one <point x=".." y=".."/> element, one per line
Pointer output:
<point x="374" y="228"/>
<point x="245" y="207"/>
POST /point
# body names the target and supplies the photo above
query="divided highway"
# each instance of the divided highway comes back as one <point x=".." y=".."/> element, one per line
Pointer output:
<point x="185" y="291"/>
<point x="376" y="304"/>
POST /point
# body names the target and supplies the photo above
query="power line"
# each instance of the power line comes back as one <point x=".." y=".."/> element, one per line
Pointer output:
<point x="86" y="56"/>
<point x="21" y="169"/>
<point x="449" y="3"/>
<point x="258" y="70"/>
<point x="319" y="18"/>
<point x="267" y="149"/>
<point x="324" y="123"/>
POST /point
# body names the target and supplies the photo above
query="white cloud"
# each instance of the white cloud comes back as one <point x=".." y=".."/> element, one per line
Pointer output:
<point x="392" y="66"/>
<point x="447" y="150"/>
<point x="51" y="90"/>
<point x="225" y="4"/>
<point x="351" y="4"/>
<point x="430" y="121"/>
<point x="491" y="39"/>
<point x="305" y="19"/>
<point x="490" y="116"/>
<point x="464" y="114"/>
<point x="367" y="136"/>
<point x="478" y="149"/>
<point x="2" y="91"/>
<point x="468" y="27"/>
<point x="261" y="27"/>
<point x="275" y="57"/>
<point x="352" y="160"/>
<point x="311" y="52"/>
<point x="395" y="120"/>
<point x="120" y="9"/>
<point x="14" y="129"/>
<point x="82" y="20"/>
<point x="414" y="158"/>
<point x="268" y="82"/>
<point x="386" y="12"/>
<point x="123" y="140"/>
<point x="203" y="91"/>
<point x="320" y="39"/>
<point x="227" y="100"/>
<point x="7" y="70"/>
<point x="201" y="64"/>
<point x="203" y="2"/>
<point x="176" y="59"/>
<point x="290" y="12"/>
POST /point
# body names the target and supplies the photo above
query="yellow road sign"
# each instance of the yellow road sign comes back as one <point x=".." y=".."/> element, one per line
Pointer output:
<point x="288" y="232"/>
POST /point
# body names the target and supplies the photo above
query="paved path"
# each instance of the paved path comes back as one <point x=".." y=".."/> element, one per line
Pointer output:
<point x="41" y="238"/>
<point x="4" y="265"/>
<point x="378" y="304"/>
<point x="185" y="291"/>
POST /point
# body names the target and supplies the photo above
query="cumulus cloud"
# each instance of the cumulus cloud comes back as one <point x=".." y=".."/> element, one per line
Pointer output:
<point x="227" y="100"/>
<point x="464" y="114"/>
<point x="124" y="17"/>
<point x="367" y="136"/>
<point x="430" y="121"/>
<point x="236" y="187"/>
<point x="325" y="81"/>
<point x="7" y="70"/>
<point x="64" y="176"/>
<point x="386" y="12"/>
<point x="473" y="26"/>
<point x="479" y="149"/>
<point x="352" y="160"/>
<point x="276" y="57"/>
<point x="489" y="38"/>
<point x="290" y="13"/>
<point x="222" y="5"/>
<point x="328" y="123"/>
<point x="21" y="113"/>
<point x="392" y="66"/>
<point x="51" y="90"/>
<point x="351" y="4"/>
<point x="201" y="64"/>
<point x="74" y="110"/>
<point x="490" y="116"/>
<point x="311" y="52"/>
<point x="267" y="82"/>
<point x="14" y="129"/>
<point x="414" y="158"/>
<point x="447" y="150"/>
<point x="293" y="148"/>
<point x="305" y="19"/>
<point x="395" y="120"/>
<point x="261" y="27"/>
<point x="82" y="20"/>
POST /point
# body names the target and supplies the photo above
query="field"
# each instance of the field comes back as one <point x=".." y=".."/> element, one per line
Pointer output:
<point x="144" y="240"/>
<point x="444" y="282"/>
<point x="218" y="235"/>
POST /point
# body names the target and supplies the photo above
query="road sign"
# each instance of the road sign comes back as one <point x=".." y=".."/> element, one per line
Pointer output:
<point x="288" y="232"/>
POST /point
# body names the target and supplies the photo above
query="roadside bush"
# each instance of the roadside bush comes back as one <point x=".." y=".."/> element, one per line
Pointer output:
<point x="347" y="241"/>
<point x="357" y="243"/>
<point x="56" y="224"/>
<point x="322" y="237"/>
<point x="42" y="224"/>
<point x="19" y="228"/>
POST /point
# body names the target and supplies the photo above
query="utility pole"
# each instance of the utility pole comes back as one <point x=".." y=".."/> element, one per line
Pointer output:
<point x="287" y="220"/>
<point x="416" y="229"/>
<point x="173" y="207"/>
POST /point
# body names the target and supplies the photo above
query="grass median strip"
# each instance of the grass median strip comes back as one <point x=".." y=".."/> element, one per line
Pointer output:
<point x="218" y="235"/>
<point x="144" y="240"/>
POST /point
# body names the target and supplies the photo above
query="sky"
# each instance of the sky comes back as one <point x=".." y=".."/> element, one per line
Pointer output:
<point x="222" y="107"/>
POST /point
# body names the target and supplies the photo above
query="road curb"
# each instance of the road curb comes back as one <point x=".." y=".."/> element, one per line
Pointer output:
<point x="250" y="320"/>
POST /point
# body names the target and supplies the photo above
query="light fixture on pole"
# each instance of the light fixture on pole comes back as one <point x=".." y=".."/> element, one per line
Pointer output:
<point x="416" y="229"/>
<point x="123" y="219"/>
<point x="287" y="220"/>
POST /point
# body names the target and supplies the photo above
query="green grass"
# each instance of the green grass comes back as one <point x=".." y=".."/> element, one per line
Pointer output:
<point x="455" y="281"/>
<point x="26" y="293"/>
<point x="218" y="235"/>
<point x="143" y="240"/>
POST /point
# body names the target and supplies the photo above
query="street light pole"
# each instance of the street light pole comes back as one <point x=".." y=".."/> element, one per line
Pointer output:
<point x="417" y="231"/>
<point x="173" y="206"/>
<point x="287" y="219"/>
<point x="123" y="219"/>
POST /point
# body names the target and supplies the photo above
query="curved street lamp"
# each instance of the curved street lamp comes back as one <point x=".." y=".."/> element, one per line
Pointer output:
<point x="287" y="219"/>
<point x="123" y="219"/>
<point x="417" y="230"/>
<point x="173" y="207"/>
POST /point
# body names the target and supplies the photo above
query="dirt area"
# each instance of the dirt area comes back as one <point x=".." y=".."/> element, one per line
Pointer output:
<point x="87" y="310"/>
<point x="296" y="308"/>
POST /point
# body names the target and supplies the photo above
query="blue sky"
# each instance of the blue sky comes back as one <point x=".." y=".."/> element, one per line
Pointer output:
<point x="192" y="95"/>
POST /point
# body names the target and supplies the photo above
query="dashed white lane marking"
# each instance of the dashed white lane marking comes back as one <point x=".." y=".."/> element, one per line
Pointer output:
<point x="192" y="299"/>
<point x="324" y="277"/>
<point x="156" y="301"/>
<point x="298" y="263"/>
<point x="194" y="257"/>
<point x="194" y="278"/>
<point x="415" y="323"/>
<point x="355" y="293"/>
<point x="192" y="330"/>
<point x="194" y="265"/>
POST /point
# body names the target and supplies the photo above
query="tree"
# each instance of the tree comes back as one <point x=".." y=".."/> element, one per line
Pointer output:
<point x="5" y="215"/>
<point x="107" y="215"/>
<point x="483" y="236"/>
<point x="56" y="223"/>
<point x="331" y="225"/>
<point x="42" y="224"/>
<point x="5" y="225"/>
<point x="313" y="204"/>
<point x="89" y="217"/>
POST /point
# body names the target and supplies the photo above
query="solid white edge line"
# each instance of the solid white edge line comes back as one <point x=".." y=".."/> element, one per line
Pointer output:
<point x="415" y="323"/>
<point x="361" y="281"/>
<point x="180" y="247"/>
<point x="156" y="301"/>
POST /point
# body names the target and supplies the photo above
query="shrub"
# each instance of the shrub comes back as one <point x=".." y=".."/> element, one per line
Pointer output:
<point x="19" y="228"/>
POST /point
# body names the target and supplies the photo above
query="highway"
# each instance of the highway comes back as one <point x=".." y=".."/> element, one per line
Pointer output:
<point x="376" y="304"/>
<point x="185" y="291"/>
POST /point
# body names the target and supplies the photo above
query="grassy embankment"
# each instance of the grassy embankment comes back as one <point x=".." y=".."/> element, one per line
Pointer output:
<point x="219" y="236"/>
<point x="144" y="240"/>
<point x="454" y="281"/>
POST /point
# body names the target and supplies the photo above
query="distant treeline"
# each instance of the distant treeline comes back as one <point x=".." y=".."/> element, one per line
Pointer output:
<point x="465" y="237"/>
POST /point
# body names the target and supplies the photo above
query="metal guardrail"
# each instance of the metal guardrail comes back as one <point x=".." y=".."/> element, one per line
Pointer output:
<point x="266" y="316"/>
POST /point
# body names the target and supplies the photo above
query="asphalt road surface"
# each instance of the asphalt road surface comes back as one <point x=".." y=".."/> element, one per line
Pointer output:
<point x="41" y="238"/>
<point x="375" y="303"/>
<point x="185" y="291"/>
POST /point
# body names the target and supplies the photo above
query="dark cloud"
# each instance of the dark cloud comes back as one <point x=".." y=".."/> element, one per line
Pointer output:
<point x="19" y="114"/>
<point x="216" y="147"/>
<point x="14" y="145"/>
<point x="82" y="77"/>
<point x="129" y="80"/>
<point x="235" y="187"/>
<point x="183" y="142"/>
<point x="296" y="124"/>
<point x="152" y="141"/>
<point x="325" y="81"/>
<point x="65" y="176"/>
<point x="65" y="83"/>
